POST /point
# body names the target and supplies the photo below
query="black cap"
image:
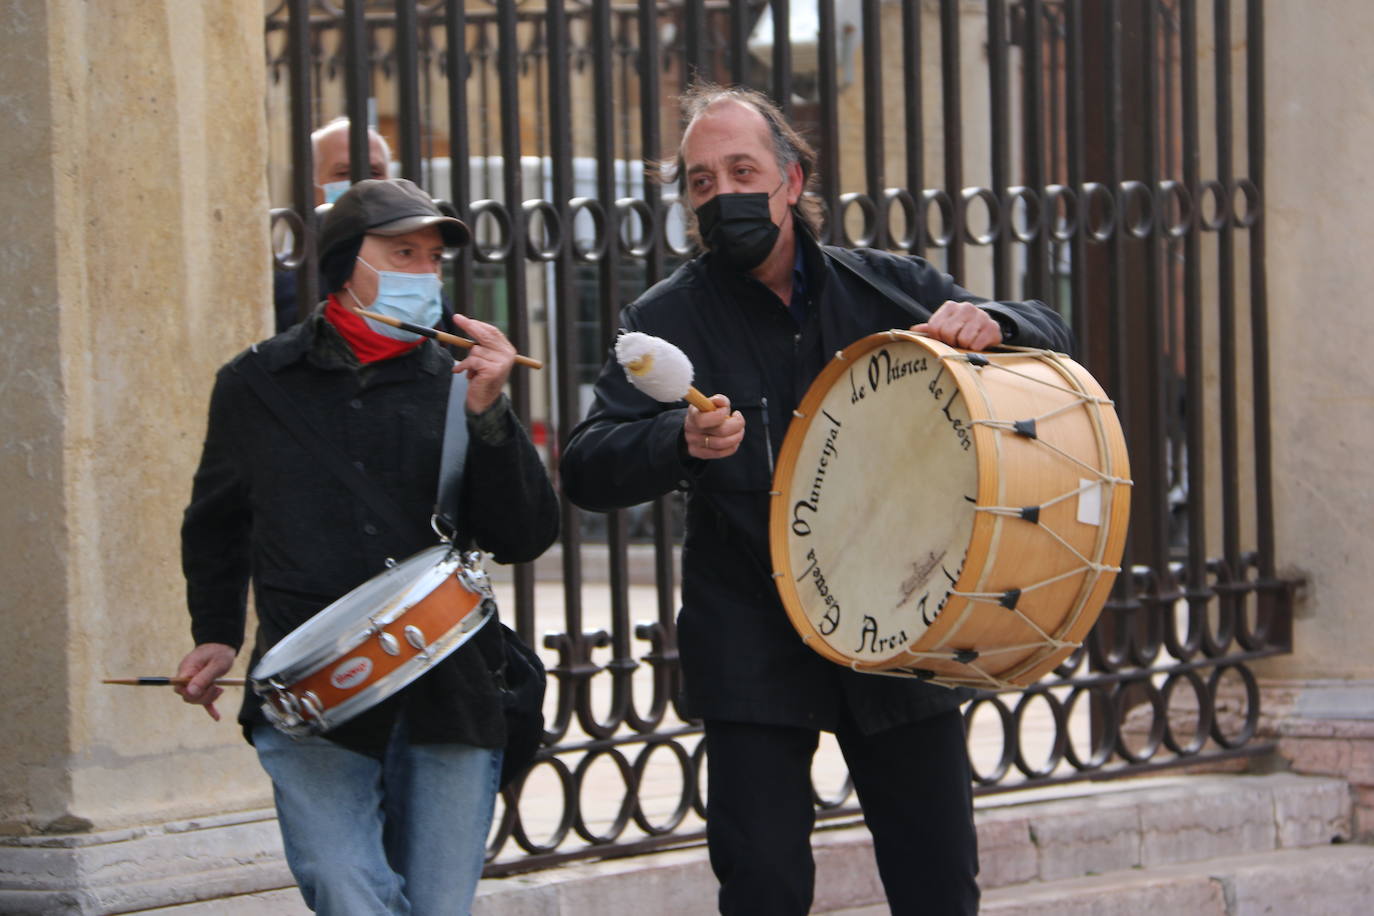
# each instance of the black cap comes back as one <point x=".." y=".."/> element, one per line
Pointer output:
<point x="392" y="206"/>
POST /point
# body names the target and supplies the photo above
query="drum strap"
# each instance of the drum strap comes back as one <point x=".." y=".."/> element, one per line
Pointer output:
<point x="847" y="260"/>
<point x="309" y="435"/>
<point x="454" y="455"/>
<point x="850" y="263"/>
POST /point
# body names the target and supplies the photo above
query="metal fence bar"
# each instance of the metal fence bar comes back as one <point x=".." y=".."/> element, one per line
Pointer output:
<point x="827" y="77"/>
<point x="874" y="153"/>
<point x="952" y="98"/>
<point x="508" y="66"/>
<point x="662" y="633"/>
<point x="1226" y="314"/>
<point x="356" y="90"/>
<point x="1035" y="106"/>
<point x="1197" y="592"/>
<point x="1259" y="295"/>
<point x="302" y="157"/>
<point x="782" y="54"/>
<point x="1076" y="200"/>
<point x="999" y="105"/>
<point x="912" y="105"/>
<point x="459" y="137"/>
<point x="408" y="89"/>
<point x="561" y="154"/>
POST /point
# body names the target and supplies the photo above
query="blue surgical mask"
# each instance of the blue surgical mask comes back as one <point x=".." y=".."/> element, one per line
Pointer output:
<point x="409" y="297"/>
<point x="335" y="189"/>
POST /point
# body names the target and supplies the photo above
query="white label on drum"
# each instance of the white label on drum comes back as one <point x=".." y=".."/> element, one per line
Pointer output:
<point x="351" y="673"/>
<point x="1089" y="501"/>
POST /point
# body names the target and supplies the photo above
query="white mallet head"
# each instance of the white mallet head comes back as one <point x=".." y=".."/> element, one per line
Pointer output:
<point x="654" y="366"/>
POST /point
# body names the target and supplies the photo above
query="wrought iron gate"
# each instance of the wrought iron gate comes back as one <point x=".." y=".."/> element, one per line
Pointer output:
<point x="1073" y="151"/>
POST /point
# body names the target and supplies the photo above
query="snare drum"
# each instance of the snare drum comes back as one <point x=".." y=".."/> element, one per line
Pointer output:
<point x="949" y="515"/>
<point x="373" y="641"/>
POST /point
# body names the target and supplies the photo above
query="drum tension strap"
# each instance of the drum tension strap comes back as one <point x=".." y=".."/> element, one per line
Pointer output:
<point x="454" y="454"/>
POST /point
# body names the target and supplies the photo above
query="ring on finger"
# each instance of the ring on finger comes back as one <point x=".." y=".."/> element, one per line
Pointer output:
<point x="708" y="441"/>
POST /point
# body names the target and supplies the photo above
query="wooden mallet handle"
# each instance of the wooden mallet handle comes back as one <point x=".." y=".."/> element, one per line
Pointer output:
<point x="700" y="401"/>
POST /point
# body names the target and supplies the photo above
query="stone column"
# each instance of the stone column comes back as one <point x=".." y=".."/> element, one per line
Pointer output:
<point x="135" y="256"/>
<point x="1320" y="117"/>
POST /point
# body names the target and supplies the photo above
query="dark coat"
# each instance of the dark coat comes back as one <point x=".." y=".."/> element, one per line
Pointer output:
<point x="741" y="658"/>
<point x="261" y="508"/>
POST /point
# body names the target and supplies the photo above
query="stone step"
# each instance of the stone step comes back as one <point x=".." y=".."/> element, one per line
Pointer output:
<point x="1319" y="881"/>
<point x="1026" y="839"/>
<point x="1031" y="842"/>
<point x="1142" y="823"/>
<point x="1332" y="880"/>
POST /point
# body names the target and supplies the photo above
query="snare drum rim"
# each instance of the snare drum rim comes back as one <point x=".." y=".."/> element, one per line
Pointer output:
<point x="289" y="662"/>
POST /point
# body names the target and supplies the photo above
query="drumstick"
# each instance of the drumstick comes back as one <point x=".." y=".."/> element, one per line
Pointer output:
<point x="169" y="681"/>
<point x="442" y="336"/>
<point x="659" y="369"/>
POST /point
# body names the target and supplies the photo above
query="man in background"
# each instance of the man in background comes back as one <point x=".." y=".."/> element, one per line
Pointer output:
<point x="329" y="150"/>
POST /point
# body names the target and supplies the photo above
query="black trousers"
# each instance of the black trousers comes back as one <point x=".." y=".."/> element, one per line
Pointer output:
<point x="913" y="782"/>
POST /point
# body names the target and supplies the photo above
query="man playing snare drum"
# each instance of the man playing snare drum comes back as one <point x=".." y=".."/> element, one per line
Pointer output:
<point x="758" y="314"/>
<point x="388" y="812"/>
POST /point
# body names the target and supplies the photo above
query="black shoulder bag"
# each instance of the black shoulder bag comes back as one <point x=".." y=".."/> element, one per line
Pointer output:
<point x="520" y="676"/>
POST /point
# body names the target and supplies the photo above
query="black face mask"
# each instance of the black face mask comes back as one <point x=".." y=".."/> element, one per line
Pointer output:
<point x="738" y="228"/>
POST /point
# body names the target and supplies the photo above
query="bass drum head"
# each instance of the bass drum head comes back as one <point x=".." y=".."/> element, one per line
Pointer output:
<point x="872" y="507"/>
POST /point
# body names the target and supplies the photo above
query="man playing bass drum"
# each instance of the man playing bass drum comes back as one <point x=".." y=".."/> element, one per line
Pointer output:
<point x="388" y="812"/>
<point x="758" y="314"/>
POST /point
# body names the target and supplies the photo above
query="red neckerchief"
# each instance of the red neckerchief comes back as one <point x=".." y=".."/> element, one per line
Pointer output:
<point x="367" y="344"/>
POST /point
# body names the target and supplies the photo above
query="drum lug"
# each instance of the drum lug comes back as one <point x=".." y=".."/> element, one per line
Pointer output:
<point x="284" y="710"/>
<point x="390" y="645"/>
<point x="311" y="705"/>
<point x="389" y="562"/>
<point x="416" y="637"/>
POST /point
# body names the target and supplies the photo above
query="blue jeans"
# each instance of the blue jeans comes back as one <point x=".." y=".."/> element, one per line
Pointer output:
<point x="405" y="834"/>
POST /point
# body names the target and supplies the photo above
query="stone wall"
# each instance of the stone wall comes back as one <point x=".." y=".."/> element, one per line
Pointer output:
<point x="134" y="250"/>
<point x="1321" y="697"/>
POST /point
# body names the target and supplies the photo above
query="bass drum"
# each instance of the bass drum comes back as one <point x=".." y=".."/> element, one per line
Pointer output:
<point x="373" y="641"/>
<point x="949" y="515"/>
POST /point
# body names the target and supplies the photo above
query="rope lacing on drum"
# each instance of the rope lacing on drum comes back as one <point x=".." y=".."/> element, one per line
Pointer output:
<point x="1009" y="599"/>
<point x="1032" y="514"/>
<point x="1027" y="427"/>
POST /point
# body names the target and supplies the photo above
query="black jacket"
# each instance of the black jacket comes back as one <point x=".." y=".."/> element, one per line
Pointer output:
<point x="261" y="509"/>
<point x="741" y="658"/>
